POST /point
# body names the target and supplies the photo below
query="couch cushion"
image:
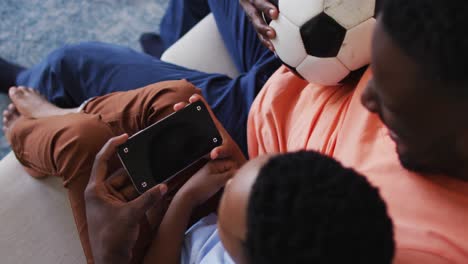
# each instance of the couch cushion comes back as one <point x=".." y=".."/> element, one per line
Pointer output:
<point x="202" y="48"/>
<point x="37" y="225"/>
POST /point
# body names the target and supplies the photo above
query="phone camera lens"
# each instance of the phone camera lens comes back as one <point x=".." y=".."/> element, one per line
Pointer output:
<point x="125" y="150"/>
<point x="199" y="108"/>
<point x="215" y="140"/>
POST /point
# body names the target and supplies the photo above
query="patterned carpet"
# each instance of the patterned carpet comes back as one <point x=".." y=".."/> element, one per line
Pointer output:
<point x="30" y="29"/>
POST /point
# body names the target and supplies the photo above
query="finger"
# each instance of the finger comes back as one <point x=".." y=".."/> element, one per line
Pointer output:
<point x="221" y="152"/>
<point x="119" y="179"/>
<point x="267" y="8"/>
<point x="266" y="42"/>
<point x="129" y="192"/>
<point x="99" y="171"/>
<point x="147" y="200"/>
<point x="179" y="106"/>
<point x="256" y="18"/>
<point x="195" y="98"/>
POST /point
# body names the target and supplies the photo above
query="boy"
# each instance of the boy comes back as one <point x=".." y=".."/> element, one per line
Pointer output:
<point x="294" y="208"/>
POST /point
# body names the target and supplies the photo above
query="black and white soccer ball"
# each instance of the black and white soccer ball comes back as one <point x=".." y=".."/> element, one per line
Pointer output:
<point x="323" y="41"/>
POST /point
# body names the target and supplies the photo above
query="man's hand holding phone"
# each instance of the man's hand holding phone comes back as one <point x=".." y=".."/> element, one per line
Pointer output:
<point x="113" y="223"/>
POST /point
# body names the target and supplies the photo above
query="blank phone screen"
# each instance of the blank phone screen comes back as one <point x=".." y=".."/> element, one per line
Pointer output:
<point x="169" y="146"/>
<point x="179" y="141"/>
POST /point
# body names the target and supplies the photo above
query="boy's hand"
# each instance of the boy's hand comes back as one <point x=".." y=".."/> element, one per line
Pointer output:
<point x="207" y="182"/>
<point x="113" y="224"/>
<point x="254" y="9"/>
<point x="229" y="149"/>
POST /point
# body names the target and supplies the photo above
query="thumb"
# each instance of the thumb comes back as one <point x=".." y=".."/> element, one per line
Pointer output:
<point x="147" y="200"/>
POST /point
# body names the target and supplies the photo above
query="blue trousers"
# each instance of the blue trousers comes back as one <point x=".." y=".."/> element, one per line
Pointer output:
<point x="74" y="73"/>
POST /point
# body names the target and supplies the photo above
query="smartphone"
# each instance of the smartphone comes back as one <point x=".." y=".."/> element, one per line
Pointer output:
<point x="163" y="150"/>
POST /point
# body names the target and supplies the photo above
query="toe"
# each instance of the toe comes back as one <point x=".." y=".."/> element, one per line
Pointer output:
<point x="22" y="90"/>
<point x="6" y="113"/>
<point x="11" y="107"/>
<point x="16" y="92"/>
<point x="15" y="114"/>
<point x="12" y="90"/>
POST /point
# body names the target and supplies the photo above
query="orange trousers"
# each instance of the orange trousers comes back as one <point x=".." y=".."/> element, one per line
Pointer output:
<point x="65" y="146"/>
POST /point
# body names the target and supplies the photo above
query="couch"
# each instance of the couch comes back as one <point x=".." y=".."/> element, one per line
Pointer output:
<point x="37" y="224"/>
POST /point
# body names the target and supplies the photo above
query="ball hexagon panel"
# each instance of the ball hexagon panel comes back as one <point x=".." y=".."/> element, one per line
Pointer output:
<point x="288" y="42"/>
<point x="356" y="50"/>
<point x="350" y="13"/>
<point x="300" y="11"/>
<point x="329" y="71"/>
<point x="322" y="36"/>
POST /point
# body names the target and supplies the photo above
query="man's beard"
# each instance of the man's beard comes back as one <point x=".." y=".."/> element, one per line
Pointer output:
<point x="433" y="166"/>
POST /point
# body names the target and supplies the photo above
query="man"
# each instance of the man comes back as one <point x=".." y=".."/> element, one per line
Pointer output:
<point x="414" y="101"/>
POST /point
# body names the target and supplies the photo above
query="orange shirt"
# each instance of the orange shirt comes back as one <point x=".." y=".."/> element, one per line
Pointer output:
<point x="430" y="214"/>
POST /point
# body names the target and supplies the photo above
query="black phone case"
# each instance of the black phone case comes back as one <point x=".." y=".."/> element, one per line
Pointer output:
<point x="140" y="165"/>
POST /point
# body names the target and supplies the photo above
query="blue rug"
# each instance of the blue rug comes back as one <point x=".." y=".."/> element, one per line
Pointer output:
<point x="30" y="29"/>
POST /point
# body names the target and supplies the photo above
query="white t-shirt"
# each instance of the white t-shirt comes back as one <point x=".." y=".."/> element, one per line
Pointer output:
<point x="202" y="244"/>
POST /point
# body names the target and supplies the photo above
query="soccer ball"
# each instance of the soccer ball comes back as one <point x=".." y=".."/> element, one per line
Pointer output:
<point x="323" y="41"/>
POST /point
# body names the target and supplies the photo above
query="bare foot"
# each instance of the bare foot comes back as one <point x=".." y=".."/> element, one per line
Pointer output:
<point x="10" y="116"/>
<point x="30" y="103"/>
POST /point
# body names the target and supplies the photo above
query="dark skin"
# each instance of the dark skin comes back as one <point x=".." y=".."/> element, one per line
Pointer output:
<point x="113" y="223"/>
<point x="254" y="10"/>
<point x="115" y="247"/>
<point x="429" y="128"/>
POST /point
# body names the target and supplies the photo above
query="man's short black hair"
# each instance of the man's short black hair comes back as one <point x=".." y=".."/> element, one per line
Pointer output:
<point x="307" y="208"/>
<point x="435" y="34"/>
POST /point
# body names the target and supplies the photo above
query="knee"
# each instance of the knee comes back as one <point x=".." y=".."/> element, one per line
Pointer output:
<point x="161" y="101"/>
<point x="71" y="54"/>
<point x="77" y="144"/>
<point x="182" y="91"/>
<point x="85" y="134"/>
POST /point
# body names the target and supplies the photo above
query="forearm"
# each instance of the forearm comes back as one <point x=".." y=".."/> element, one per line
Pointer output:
<point x="167" y="244"/>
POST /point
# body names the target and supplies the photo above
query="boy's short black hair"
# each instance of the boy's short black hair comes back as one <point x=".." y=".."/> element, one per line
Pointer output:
<point x="434" y="34"/>
<point x="307" y="208"/>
